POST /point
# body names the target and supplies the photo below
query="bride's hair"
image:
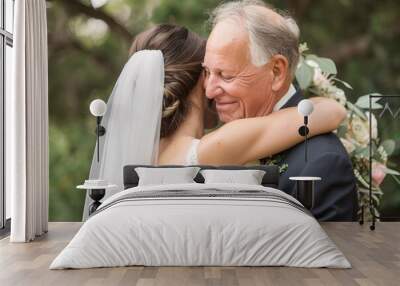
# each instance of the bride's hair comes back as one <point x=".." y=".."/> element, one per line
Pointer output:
<point x="183" y="53"/>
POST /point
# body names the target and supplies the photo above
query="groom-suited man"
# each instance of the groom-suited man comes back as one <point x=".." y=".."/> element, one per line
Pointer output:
<point x="250" y="61"/>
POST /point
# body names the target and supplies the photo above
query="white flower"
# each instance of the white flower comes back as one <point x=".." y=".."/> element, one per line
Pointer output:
<point x="381" y="151"/>
<point x="359" y="130"/>
<point x="374" y="125"/>
<point x="348" y="145"/>
<point x="320" y="80"/>
<point x="303" y="48"/>
<point x="340" y="96"/>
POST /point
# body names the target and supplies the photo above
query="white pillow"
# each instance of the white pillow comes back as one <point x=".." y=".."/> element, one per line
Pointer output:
<point x="248" y="177"/>
<point x="163" y="176"/>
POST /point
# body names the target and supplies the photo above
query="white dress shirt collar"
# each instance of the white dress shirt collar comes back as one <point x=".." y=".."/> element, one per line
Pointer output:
<point x="285" y="98"/>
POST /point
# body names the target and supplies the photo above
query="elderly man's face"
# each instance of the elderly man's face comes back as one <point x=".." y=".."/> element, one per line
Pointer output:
<point x="239" y="88"/>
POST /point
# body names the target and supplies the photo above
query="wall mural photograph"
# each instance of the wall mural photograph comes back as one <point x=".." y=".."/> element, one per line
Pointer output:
<point x="153" y="142"/>
<point x="345" y="64"/>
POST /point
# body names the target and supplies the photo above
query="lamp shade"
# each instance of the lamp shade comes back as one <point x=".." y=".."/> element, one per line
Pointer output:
<point x="305" y="107"/>
<point x="98" y="107"/>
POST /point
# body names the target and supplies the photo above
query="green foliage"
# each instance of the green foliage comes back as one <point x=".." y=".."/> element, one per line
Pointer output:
<point x="304" y="75"/>
<point x="71" y="148"/>
<point x="389" y="146"/>
<point x="189" y="13"/>
<point x="326" y="65"/>
<point x="363" y="102"/>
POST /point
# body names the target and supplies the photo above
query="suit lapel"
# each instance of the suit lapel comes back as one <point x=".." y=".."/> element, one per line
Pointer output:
<point x="293" y="101"/>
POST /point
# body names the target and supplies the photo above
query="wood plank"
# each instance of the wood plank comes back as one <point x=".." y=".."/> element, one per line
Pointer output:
<point x="375" y="257"/>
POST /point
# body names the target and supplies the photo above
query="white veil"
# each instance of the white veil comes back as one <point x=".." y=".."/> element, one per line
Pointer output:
<point x="132" y="120"/>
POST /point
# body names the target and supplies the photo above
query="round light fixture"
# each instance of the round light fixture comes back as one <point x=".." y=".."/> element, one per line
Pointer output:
<point x="305" y="107"/>
<point x="98" y="107"/>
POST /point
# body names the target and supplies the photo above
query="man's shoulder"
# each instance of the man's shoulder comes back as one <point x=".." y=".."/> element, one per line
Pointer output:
<point x="328" y="141"/>
<point x="320" y="145"/>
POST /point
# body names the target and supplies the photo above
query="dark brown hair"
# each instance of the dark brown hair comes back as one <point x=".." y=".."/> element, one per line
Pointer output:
<point x="183" y="53"/>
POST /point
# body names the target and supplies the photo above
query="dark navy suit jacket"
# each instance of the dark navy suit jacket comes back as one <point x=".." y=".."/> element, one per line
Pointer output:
<point x="336" y="194"/>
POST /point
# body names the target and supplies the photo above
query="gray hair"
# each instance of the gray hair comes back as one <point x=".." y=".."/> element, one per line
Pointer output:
<point x="266" y="38"/>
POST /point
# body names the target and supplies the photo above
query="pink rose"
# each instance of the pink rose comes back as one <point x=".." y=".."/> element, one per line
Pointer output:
<point x="378" y="173"/>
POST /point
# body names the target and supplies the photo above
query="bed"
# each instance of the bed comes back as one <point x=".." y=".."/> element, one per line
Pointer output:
<point x="201" y="224"/>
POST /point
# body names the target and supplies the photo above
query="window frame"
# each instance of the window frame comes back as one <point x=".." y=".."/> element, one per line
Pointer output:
<point x="6" y="39"/>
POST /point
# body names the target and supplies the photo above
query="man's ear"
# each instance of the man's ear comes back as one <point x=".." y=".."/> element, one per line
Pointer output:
<point x="280" y="70"/>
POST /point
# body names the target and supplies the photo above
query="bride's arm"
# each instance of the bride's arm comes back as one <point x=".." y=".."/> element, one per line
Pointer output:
<point x="246" y="140"/>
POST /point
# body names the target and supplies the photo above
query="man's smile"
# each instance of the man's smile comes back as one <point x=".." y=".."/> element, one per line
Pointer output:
<point x="225" y="105"/>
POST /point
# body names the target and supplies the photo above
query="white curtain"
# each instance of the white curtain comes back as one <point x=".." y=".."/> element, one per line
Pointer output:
<point x="27" y="173"/>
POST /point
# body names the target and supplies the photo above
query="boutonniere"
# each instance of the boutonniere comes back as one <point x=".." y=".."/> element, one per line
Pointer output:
<point x="278" y="161"/>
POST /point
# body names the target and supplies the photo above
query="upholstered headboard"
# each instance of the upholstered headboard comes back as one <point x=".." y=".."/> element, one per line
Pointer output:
<point x="270" y="179"/>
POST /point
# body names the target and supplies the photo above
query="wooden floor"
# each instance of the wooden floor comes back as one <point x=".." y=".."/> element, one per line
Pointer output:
<point x="375" y="257"/>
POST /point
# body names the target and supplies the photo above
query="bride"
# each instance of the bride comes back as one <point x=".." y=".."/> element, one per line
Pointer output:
<point x="156" y="111"/>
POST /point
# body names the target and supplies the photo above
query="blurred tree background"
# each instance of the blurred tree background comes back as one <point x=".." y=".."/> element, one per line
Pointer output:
<point x="88" y="47"/>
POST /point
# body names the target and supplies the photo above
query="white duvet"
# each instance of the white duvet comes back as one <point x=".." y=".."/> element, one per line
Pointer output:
<point x="188" y="231"/>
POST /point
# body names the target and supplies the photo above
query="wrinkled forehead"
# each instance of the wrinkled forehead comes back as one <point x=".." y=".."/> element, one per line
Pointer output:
<point x="228" y="44"/>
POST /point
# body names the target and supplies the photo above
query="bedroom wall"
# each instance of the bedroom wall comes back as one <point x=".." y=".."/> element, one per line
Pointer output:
<point x="86" y="55"/>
